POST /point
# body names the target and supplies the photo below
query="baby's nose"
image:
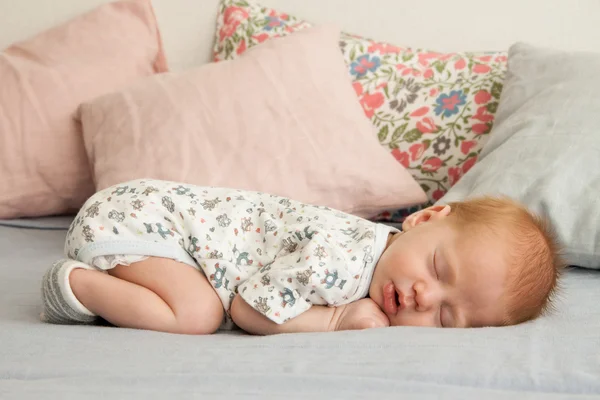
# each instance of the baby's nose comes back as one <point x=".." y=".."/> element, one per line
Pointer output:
<point x="424" y="297"/>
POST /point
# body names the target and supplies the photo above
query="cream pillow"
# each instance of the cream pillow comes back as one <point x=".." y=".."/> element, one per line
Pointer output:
<point x="282" y="119"/>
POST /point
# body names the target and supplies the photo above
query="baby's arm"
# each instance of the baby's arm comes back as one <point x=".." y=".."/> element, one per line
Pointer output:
<point x="361" y="314"/>
<point x="277" y="298"/>
<point x="315" y="319"/>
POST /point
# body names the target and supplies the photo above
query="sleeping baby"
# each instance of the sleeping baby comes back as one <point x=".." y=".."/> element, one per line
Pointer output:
<point x="179" y="258"/>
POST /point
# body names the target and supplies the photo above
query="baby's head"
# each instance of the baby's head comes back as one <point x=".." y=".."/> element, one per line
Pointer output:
<point x="481" y="262"/>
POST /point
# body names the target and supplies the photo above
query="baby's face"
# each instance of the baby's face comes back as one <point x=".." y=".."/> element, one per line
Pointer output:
<point x="434" y="274"/>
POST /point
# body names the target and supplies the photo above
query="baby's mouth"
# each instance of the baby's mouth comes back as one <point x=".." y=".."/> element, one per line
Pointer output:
<point x="391" y="300"/>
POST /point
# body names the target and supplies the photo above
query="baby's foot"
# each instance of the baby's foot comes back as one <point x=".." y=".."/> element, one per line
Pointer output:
<point x="60" y="304"/>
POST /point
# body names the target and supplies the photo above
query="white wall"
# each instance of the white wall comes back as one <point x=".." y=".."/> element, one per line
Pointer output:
<point x="188" y="25"/>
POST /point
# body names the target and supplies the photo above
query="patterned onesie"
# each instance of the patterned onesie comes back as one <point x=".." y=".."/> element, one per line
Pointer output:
<point x="281" y="255"/>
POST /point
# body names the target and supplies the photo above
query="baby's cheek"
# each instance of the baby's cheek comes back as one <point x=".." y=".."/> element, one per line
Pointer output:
<point x="412" y="319"/>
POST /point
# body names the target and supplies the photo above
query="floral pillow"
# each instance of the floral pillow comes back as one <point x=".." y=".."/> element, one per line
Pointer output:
<point x="433" y="111"/>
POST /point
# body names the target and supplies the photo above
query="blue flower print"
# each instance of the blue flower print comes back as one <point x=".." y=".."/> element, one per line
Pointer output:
<point x="364" y="64"/>
<point x="272" y="23"/>
<point x="448" y="104"/>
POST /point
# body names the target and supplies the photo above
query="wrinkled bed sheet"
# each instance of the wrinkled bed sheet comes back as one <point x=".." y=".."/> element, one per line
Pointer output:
<point x="553" y="357"/>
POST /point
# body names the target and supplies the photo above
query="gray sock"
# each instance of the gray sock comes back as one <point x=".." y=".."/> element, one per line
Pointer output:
<point x="60" y="304"/>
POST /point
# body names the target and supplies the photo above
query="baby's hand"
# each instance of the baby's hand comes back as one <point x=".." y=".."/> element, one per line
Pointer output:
<point x="361" y="314"/>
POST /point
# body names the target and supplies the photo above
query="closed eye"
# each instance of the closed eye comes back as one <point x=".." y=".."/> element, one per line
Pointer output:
<point x="437" y="275"/>
<point x="435" y="269"/>
<point x="441" y="318"/>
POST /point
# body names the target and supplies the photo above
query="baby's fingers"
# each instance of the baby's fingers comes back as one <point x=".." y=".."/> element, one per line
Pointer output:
<point x="382" y="321"/>
<point x="373" y="322"/>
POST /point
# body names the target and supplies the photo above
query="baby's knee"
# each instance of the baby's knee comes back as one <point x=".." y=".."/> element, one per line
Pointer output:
<point x="80" y="278"/>
<point x="203" y="319"/>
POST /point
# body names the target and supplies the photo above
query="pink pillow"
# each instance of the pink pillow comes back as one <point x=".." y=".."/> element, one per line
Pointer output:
<point x="282" y="119"/>
<point x="43" y="166"/>
<point x="433" y="111"/>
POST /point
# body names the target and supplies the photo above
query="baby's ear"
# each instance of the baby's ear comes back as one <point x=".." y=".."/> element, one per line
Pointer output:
<point x="432" y="213"/>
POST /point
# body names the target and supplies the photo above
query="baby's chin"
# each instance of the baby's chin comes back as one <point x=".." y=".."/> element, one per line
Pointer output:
<point x="406" y="320"/>
<point x="398" y="322"/>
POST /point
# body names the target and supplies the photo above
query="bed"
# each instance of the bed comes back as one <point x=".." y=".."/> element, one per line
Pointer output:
<point x="554" y="357"/>
<point x="557" y="356"/>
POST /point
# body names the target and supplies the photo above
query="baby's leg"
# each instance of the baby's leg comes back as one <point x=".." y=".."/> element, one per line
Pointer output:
<point x="157" y="293"/>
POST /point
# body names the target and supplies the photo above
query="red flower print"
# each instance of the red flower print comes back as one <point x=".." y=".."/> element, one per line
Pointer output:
<point x="500" y="59"/>
<point x="234" y="14"/>
<point x="260" y="38"/>
<point x="425" y="58"/>
<point x="482" y="116"/>
<point x="383" y="48"/>
<point x="401" y="156"/>
<point x="460" y="64"/>
<point x="419" y="112"/>
<point x="227" y="30"/>
<point x="426" y="125"/>
<point x="482" y="97"/>
<point x="388" y="48"/>
<point x="469" y="164"/>
<point x="432" y="164"/>
<point x="374" y="47"/>
<point x="416" y="151"/>
<point x="371" y="102"/>
<point x="232" y="18"/>
<point x="454" y="174"/>
<point x="411" y="71"/>
<point x="484" y="58"/>
<point x="242" y="47"/>
<point x="466" y="146"/>
<point x="433" y="92"/>
<point x="437" y="194"/>
<point x="358" y="88"/>
<point x="480" y="129"/>
<point x="400" y="66"/>
<point x="481" y="68"/>
<point x="428" y="74"/>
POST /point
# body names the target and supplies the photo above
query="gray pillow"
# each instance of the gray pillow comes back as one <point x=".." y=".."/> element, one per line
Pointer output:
<point x="544" y="149"/>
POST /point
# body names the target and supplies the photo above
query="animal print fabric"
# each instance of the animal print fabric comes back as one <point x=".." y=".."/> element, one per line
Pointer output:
<point x="280" y="255"/>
